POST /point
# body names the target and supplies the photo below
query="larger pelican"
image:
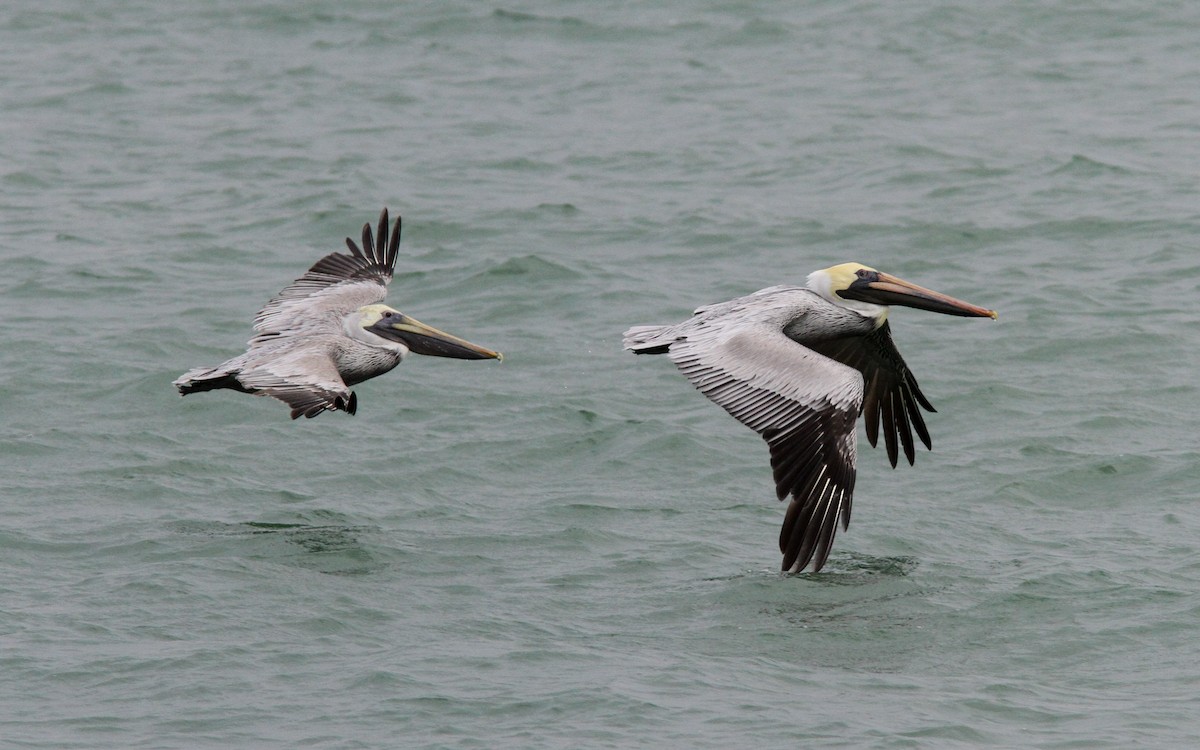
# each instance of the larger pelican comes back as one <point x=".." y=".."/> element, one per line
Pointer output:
<point x="799" y="366"/>
<point x="327" y="331"/>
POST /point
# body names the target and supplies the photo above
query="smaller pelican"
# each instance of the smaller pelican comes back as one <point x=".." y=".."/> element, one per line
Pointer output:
<point x="327" y="331"/>
<point x="799" y="366"/>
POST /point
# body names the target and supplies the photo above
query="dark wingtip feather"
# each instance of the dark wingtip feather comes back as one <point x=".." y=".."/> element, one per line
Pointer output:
<point x="824" y="546"/>
<point x="889" y="430"/>
<point x="803" y="532"/>
<point x="354" y="249"/>
<point x="849" y="495"/>
<point x="871" y="417"/>
<point x="905" y="431"/>
<point x="653" y="349"/>
<point x="916" y="391"/>
<point x="393" y="248"/>
<point x="368" y="242"/>
<point x="918" y="422"/>
<point x="381" y="236"/>
<point x="785" y="531"/>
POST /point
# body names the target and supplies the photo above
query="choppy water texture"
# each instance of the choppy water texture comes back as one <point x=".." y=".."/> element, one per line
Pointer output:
<point x="574" y="548"/>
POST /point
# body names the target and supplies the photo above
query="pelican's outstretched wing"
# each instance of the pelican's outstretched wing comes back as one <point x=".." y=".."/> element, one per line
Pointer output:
<point x="892" y="394"/>
<point x="335" y="285"/>
<point x="802" y="403"/>
<point x="299" y="372"/>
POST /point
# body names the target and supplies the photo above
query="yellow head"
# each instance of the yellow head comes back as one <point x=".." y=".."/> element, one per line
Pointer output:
<point x="369" y="315"/>
<point x="829" y="281"/>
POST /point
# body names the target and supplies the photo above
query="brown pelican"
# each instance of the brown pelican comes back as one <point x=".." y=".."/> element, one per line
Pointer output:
<point x="327" y="331"/>
<point x="798" y="366"/>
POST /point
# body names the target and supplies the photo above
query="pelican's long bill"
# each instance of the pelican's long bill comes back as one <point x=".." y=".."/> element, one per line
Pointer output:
<point x="884" y="289"/>
<point x="427" y="340"/>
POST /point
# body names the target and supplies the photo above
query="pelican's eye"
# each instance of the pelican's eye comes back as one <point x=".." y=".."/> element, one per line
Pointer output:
<point x="387" y="314"/>
<point x="867" y="274"/>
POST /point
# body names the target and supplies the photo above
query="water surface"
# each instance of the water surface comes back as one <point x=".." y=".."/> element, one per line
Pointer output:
<point x="574" y="548"/>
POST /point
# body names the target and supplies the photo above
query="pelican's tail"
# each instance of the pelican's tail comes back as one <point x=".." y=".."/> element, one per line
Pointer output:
<point x="208" y="379"/>
<point x="649" y="339"/>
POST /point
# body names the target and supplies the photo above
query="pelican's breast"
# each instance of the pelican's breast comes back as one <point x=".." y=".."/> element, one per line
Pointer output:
<point x="357" y="361"/>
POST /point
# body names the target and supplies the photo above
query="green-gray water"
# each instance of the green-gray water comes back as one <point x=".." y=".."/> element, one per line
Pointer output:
<point x="574" y="548"/>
